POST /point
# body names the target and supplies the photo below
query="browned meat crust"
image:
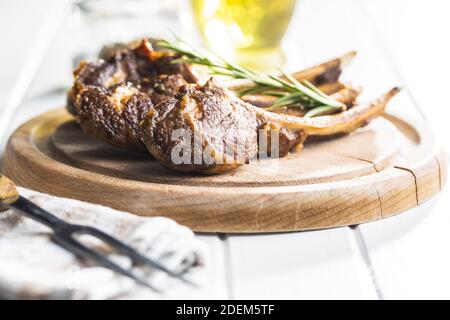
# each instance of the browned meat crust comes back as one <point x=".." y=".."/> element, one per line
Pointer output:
<point x="111" y="96"/>
<point x="212" y="119"/>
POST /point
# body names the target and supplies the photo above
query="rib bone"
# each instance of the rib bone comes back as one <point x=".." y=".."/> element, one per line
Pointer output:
<point x="346" y="94"/>
<point x="346" y="121"/>
<point x="327" y="72"/>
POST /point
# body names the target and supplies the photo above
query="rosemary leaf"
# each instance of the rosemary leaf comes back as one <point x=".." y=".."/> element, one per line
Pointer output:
<point x="321" y="111"/>
<point x="287" y="89"/>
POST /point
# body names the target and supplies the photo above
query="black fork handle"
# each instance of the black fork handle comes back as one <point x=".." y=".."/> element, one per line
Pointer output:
<point x="9" y="197"/>
<point x="31" y="210"/>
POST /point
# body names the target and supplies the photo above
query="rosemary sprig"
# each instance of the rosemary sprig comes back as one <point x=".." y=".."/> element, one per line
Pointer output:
<point x="288" y="90"/>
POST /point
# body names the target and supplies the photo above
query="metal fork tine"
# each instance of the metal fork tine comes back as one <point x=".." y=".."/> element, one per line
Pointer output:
<point x="85" y="252"/>
<point x="131" y="252"/>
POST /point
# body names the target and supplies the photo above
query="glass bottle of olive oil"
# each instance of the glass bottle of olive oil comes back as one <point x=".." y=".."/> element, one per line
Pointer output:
<point x="246" y="31"/>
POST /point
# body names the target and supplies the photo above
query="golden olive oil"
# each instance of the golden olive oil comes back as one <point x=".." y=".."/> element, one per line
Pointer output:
<point x="247" y="31"/>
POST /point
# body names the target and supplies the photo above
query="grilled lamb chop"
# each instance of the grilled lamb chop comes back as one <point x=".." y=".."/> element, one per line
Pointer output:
<point x="220" y="131"/>
<point x="111" y="96"/>
<point x="214" y="116"/>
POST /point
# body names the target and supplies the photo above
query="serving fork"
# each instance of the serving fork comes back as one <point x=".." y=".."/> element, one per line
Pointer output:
<point x="63" y="234"/>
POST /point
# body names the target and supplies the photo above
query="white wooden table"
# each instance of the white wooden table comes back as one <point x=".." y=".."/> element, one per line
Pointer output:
<point x="399" y="42"/>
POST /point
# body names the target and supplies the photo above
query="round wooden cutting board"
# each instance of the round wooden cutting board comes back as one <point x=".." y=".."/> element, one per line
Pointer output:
<point x="378" y="171"/>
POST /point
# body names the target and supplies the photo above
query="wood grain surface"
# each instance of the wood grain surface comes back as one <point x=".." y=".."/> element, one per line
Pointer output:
<point x="378" y="171"/>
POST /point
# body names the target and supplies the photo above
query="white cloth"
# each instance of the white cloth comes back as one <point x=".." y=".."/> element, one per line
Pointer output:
<point x="32" y="266"/>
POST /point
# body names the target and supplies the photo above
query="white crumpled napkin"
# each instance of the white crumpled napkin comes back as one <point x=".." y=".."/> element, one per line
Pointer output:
<point x="32" y="266"/>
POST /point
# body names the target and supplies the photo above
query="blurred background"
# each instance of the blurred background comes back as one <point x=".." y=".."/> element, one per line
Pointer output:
<point x="399" y="42"/>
